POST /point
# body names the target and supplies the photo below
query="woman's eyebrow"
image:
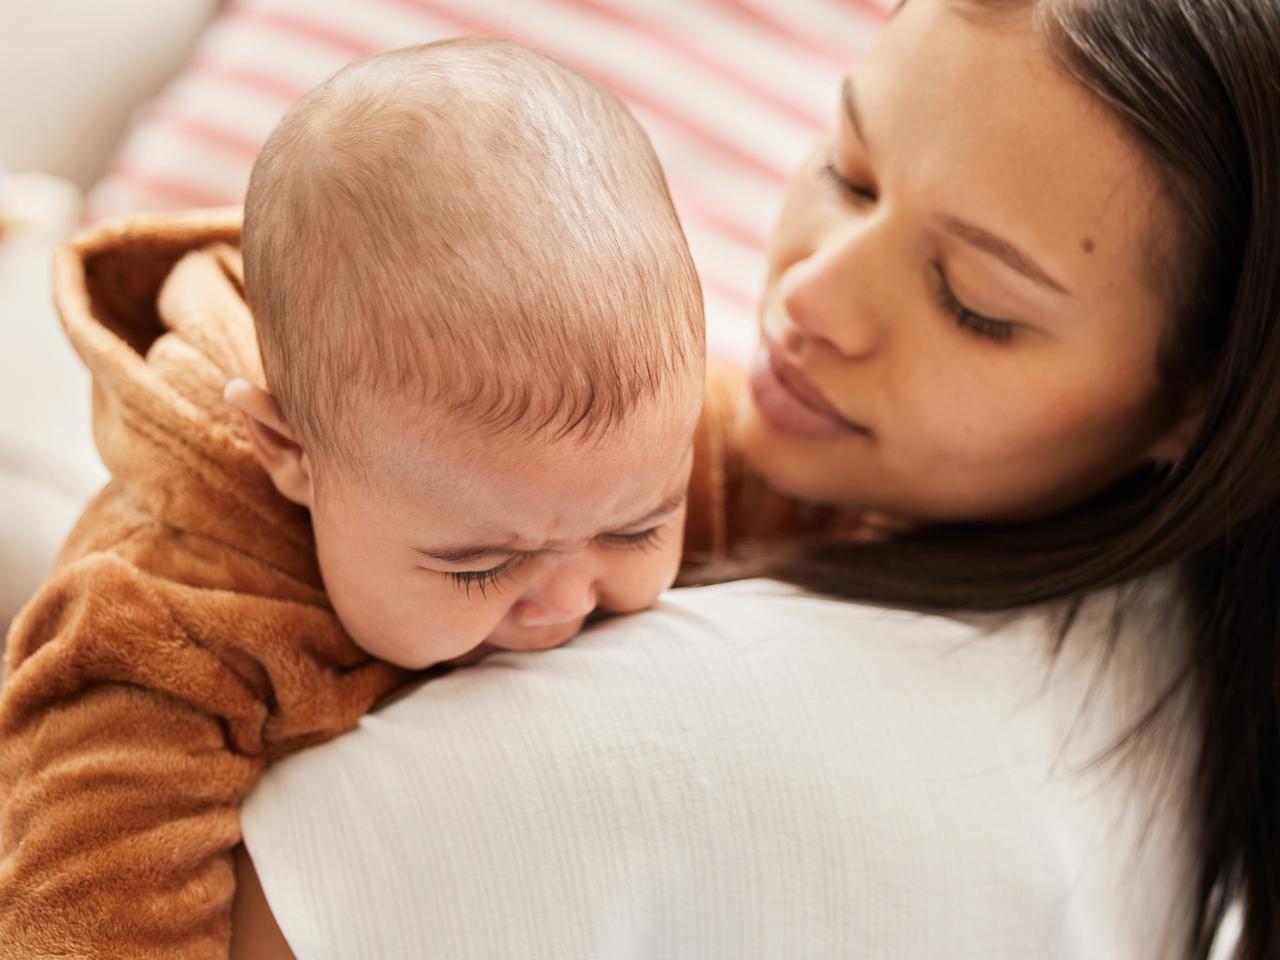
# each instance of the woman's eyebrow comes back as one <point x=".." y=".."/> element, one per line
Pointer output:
<point x="1002" y="250"/>
<point x="850" y="100"/>
<point x="975" y="236"/>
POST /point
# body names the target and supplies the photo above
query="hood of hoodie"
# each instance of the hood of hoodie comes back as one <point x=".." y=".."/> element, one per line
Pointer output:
<point x="155" y="307"/>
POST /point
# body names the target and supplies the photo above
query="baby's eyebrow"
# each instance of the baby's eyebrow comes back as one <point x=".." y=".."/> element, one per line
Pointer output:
<point x="471" y="552"/>
<point x="669" y="505"/>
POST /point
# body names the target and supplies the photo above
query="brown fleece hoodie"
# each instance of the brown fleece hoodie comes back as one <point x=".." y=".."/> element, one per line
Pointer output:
<point x="183" y="639"/>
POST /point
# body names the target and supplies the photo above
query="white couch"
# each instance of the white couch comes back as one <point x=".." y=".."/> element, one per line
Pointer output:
<point x="71" y="74"/>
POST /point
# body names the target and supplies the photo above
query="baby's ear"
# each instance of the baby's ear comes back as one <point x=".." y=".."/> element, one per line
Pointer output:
<point x="273" y="442"/>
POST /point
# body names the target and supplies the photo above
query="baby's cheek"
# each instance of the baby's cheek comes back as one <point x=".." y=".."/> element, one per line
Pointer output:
<point x="426" y="621"/>
<point x="670" y="567"/>
<point x="663" y="564"/>
<point x="637" y="585"/>
<point x="449" y="622"/>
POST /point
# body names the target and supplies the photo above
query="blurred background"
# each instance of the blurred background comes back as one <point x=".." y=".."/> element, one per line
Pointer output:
<point x="112" y="107"/>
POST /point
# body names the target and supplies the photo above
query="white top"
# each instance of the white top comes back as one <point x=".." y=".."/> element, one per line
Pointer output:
<point x="749" y="772"/>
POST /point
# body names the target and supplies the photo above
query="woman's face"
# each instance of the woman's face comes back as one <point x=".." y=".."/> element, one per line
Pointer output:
<point x="963" y="308"/>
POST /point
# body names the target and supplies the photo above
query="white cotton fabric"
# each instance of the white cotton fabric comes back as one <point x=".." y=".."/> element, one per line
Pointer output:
<point x="750" y="772"/>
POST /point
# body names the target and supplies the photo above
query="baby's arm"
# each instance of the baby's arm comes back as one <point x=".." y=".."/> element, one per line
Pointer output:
<point x="255" y="935"/>
<point x="715" y="467"/>
<point x="728" y="504"/>
<point x="130" y="730"/>
<point x="121" y="810"/>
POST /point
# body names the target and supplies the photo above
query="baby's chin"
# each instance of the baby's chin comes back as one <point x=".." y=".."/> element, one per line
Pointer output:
<point x="471" y="656"/>
<point x="532" y="639"/>
<point x="529" y="644"/>
<point x="525" y="639"/>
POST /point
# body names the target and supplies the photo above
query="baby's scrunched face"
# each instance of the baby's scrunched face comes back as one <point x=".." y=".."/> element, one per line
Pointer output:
<point x="449" y="541"/>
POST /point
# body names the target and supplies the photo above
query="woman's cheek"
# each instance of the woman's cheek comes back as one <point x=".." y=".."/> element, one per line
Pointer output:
<point x="926" y="408"/>
<point x="803" y="218"/>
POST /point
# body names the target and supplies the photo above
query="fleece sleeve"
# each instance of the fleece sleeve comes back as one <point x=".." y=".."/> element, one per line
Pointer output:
<point x="118" y="827"/>
<point x="714" y="468"/>
<point x="129" y="734"/>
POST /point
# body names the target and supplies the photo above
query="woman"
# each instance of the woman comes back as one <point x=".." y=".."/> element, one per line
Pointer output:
<point x="1024" y="298"/>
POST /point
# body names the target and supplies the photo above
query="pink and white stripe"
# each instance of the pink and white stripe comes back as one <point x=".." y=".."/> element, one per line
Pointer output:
<point x="731" y="92"/>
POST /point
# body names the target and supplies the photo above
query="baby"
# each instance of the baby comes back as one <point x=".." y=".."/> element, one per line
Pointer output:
<point x="483" y="343"/>
<point x="482" y="364"/>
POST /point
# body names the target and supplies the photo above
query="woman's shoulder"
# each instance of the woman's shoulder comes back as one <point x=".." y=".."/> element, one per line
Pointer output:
<point x="746" y="741"/>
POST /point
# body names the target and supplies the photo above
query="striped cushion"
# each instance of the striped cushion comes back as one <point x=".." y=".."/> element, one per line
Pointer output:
<point x="731" y="91"/>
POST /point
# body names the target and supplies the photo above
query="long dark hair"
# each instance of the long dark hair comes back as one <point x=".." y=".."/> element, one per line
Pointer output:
<point x="1196" y="83"/>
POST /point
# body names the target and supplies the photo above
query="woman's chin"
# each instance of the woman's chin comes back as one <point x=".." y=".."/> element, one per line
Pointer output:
<point x="789" y="465"/>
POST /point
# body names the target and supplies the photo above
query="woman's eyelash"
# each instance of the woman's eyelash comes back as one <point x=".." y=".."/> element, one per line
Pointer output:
<point x="992" y="329"/>
<point x="644" y="540"/>
<point x="988" y="327"/>
<point x="832" y="176"/>
<point x="998" y="330"/>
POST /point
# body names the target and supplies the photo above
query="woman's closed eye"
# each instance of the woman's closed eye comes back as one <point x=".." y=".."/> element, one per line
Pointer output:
<point x="983" y="326"/>
<point x="989" y="327"/>
<point x="847" y="188"/>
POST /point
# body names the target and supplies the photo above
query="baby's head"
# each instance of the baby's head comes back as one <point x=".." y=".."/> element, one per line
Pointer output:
<point x="483" y="343"/>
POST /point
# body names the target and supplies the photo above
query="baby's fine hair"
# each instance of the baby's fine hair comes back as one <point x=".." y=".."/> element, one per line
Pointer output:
<point x="471" y="225"/>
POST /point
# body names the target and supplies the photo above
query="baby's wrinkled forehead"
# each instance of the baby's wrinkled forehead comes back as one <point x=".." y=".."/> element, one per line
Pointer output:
<point x="450" y="489"/>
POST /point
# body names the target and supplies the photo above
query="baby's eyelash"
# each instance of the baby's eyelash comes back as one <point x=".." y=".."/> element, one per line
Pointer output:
<point x="644" y="540"/>
<point x="998" y="330"/>
<point x="482" y="580"/>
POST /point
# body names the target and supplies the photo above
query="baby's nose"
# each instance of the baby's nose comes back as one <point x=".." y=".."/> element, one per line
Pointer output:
<point x="561" y="600"/>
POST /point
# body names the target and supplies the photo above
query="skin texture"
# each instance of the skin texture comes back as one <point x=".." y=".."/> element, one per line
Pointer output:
<point x="963" y="426"/>
<point x="255" y="935"/>
<point x="976" y="122"/>
<point x="582" y="525"/>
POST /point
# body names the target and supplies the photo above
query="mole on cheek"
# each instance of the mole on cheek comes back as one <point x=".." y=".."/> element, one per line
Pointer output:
<point x="1087" y="245"/>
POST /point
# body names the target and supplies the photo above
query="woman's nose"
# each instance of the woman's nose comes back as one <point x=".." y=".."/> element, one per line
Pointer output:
<point x="566" y="593"/>
<point x="828" y="295"/>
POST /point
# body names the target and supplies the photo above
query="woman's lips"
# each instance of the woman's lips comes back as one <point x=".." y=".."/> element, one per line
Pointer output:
<point x="786" y="398"/>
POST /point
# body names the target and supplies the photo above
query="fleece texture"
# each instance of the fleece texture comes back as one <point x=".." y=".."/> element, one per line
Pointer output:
<point x="183" y="640"/>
